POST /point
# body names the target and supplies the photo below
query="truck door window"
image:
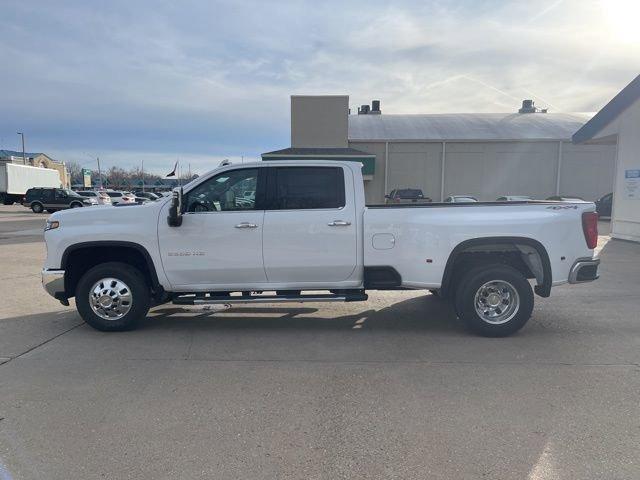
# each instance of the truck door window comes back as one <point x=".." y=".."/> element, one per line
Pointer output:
<point x="300" y="188"/>
<point x="227" y="191"/>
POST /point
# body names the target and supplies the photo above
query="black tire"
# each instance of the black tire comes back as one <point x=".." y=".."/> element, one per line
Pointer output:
<point x="75" y="205"/>
<point x="470" y="285"/>
<point x="140" y="296"/>
<point x="435" y="293"/>
<point x="37" y="207"/>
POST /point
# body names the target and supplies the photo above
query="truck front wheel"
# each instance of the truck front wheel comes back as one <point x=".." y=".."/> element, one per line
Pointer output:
<point x="113" y="296"/>
<point x="494" y="300"/>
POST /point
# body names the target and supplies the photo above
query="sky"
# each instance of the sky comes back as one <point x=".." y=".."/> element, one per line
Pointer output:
<point x="155" y="80"/>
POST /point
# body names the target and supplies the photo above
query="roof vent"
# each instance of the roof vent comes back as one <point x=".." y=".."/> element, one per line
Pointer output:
<point x="364" y="110"/>
<point x="375" y="107"/>
<point x="529" y="106"/>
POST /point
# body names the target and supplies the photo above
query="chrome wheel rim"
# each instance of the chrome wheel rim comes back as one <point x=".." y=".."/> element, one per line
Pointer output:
<point x="497" y="302"/>
<point x="110" y="298"/>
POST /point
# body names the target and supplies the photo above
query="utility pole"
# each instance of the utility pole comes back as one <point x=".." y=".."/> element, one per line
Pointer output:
<point x="24" y="158"/>
<point x="99" y="174"/>
<point x="142" y="176"/>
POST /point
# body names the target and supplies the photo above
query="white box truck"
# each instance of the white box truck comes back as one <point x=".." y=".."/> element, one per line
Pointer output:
<point x="16" y="179"/>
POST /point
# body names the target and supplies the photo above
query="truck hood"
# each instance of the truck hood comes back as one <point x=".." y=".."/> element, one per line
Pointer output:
<point x="108" y="214"/>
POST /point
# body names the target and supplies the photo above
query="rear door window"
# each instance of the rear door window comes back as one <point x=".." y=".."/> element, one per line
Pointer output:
<point x="47" y="195"/>
<point x="304" y="188"/>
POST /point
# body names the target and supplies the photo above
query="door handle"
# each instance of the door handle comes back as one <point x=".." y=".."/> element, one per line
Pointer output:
<point x="246" y="225"/>
<point x="339" y="223"/>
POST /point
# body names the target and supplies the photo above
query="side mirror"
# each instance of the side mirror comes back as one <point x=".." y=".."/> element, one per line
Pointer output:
<point x="175" y="210"/>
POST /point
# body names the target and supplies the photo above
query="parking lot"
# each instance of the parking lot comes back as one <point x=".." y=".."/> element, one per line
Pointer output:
<point x="391" y="388"/>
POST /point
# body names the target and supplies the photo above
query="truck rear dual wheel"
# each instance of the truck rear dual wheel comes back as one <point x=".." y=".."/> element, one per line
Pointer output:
<point x="112" y="297"/>
<point x="494" y="300"/>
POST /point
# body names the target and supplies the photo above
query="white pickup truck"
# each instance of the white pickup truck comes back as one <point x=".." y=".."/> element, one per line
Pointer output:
<point x="299" y="231"/>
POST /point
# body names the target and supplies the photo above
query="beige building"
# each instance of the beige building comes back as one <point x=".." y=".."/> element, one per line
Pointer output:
<point x="617" y="126"/>
<point x="38" y="160"/>
<point x="527" y="152"/>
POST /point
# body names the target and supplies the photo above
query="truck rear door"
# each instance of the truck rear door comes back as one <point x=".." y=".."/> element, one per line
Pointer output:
<point x="309" y="231"/>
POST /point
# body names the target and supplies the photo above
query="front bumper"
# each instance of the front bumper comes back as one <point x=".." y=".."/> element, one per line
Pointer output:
<point x="584" y="270"/>
<point x="53" y="283"/>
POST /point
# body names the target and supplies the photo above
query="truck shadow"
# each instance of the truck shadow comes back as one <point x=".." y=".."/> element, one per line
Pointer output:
<point x="424" y="313"/>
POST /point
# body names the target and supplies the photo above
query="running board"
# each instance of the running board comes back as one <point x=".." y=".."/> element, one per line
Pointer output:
<point x="213" y="300"/>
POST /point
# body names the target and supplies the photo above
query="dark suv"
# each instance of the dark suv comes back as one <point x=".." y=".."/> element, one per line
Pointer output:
<point x="52" y="199"/>
<point x="406" y="195"/>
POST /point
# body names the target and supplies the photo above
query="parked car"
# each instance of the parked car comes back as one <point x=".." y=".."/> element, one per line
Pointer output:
<point x="101" y="197"/>
<point x="308" y="230"/>
<point x="54" y="199"/>
<point x="406" y="195"/>
<point x="148" y="195"/>
<point x="514" y="198"/>
<point x="565" y="198"/>
<point x="136" y="198"/>
<point x="604" y="204"/>
<point x="460" y="199"/>
<point x="118" y="198"/>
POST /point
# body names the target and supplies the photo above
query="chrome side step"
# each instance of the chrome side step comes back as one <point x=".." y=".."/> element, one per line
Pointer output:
<point x="230" y="299"/>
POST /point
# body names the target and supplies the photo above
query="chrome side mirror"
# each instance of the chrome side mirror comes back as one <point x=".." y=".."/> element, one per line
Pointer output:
<point x="174" y="219"/>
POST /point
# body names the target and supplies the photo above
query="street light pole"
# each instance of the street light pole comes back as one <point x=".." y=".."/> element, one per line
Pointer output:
<point x="99" y="173"/>
<point x="142" y="176"/>
<point x="24" y="158"/>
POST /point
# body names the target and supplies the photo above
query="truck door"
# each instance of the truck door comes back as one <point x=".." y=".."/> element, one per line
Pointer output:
<point x="309" y="225"/>
<point x="219" y="243"/>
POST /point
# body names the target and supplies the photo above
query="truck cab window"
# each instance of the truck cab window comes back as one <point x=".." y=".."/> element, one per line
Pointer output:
<point x="300" y="188"/>
<point x="227" y="191"/>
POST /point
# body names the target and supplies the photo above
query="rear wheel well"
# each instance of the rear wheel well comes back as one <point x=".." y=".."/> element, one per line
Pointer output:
<point x="80" y="260"/>
<point x="527" y="256"/>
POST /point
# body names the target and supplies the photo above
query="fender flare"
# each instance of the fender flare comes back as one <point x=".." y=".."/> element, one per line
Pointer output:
<point x="114" y="243"/>
<point x="543" y="290"/>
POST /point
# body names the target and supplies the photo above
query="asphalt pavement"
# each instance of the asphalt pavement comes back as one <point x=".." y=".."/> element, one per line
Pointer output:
<point x="391" y="388"/>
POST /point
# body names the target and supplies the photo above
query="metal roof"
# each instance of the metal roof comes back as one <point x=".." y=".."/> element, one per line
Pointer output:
<point x="609" y="112"/>
<point x="13" y="153"/>
<point x="466" y="126"/>
<point x="318" y="152"/>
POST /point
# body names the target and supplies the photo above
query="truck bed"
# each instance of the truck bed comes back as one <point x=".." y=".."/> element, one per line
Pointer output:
<point x="471" y="204"/>
<point x="418" y="239"/>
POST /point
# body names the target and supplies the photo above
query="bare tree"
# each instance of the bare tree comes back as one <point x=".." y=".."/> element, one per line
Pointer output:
<point x="75" y="172"/>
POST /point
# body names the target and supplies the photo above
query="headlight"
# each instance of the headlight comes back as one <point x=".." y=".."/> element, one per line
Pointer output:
<point x="51" y="225"/>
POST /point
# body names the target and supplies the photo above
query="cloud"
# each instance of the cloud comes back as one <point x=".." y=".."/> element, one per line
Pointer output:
<point x="213" y="79"/>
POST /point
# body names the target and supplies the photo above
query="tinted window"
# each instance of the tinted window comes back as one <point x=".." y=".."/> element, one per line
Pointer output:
<point x="227" y="191"/>
<point x="307" y="188"/>
<point x="47" y="195"/>
<point x="114" y="194"/>
<point x="410" y="193"/>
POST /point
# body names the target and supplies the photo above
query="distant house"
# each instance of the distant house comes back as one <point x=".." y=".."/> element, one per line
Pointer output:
<point x="37" y="160"/>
